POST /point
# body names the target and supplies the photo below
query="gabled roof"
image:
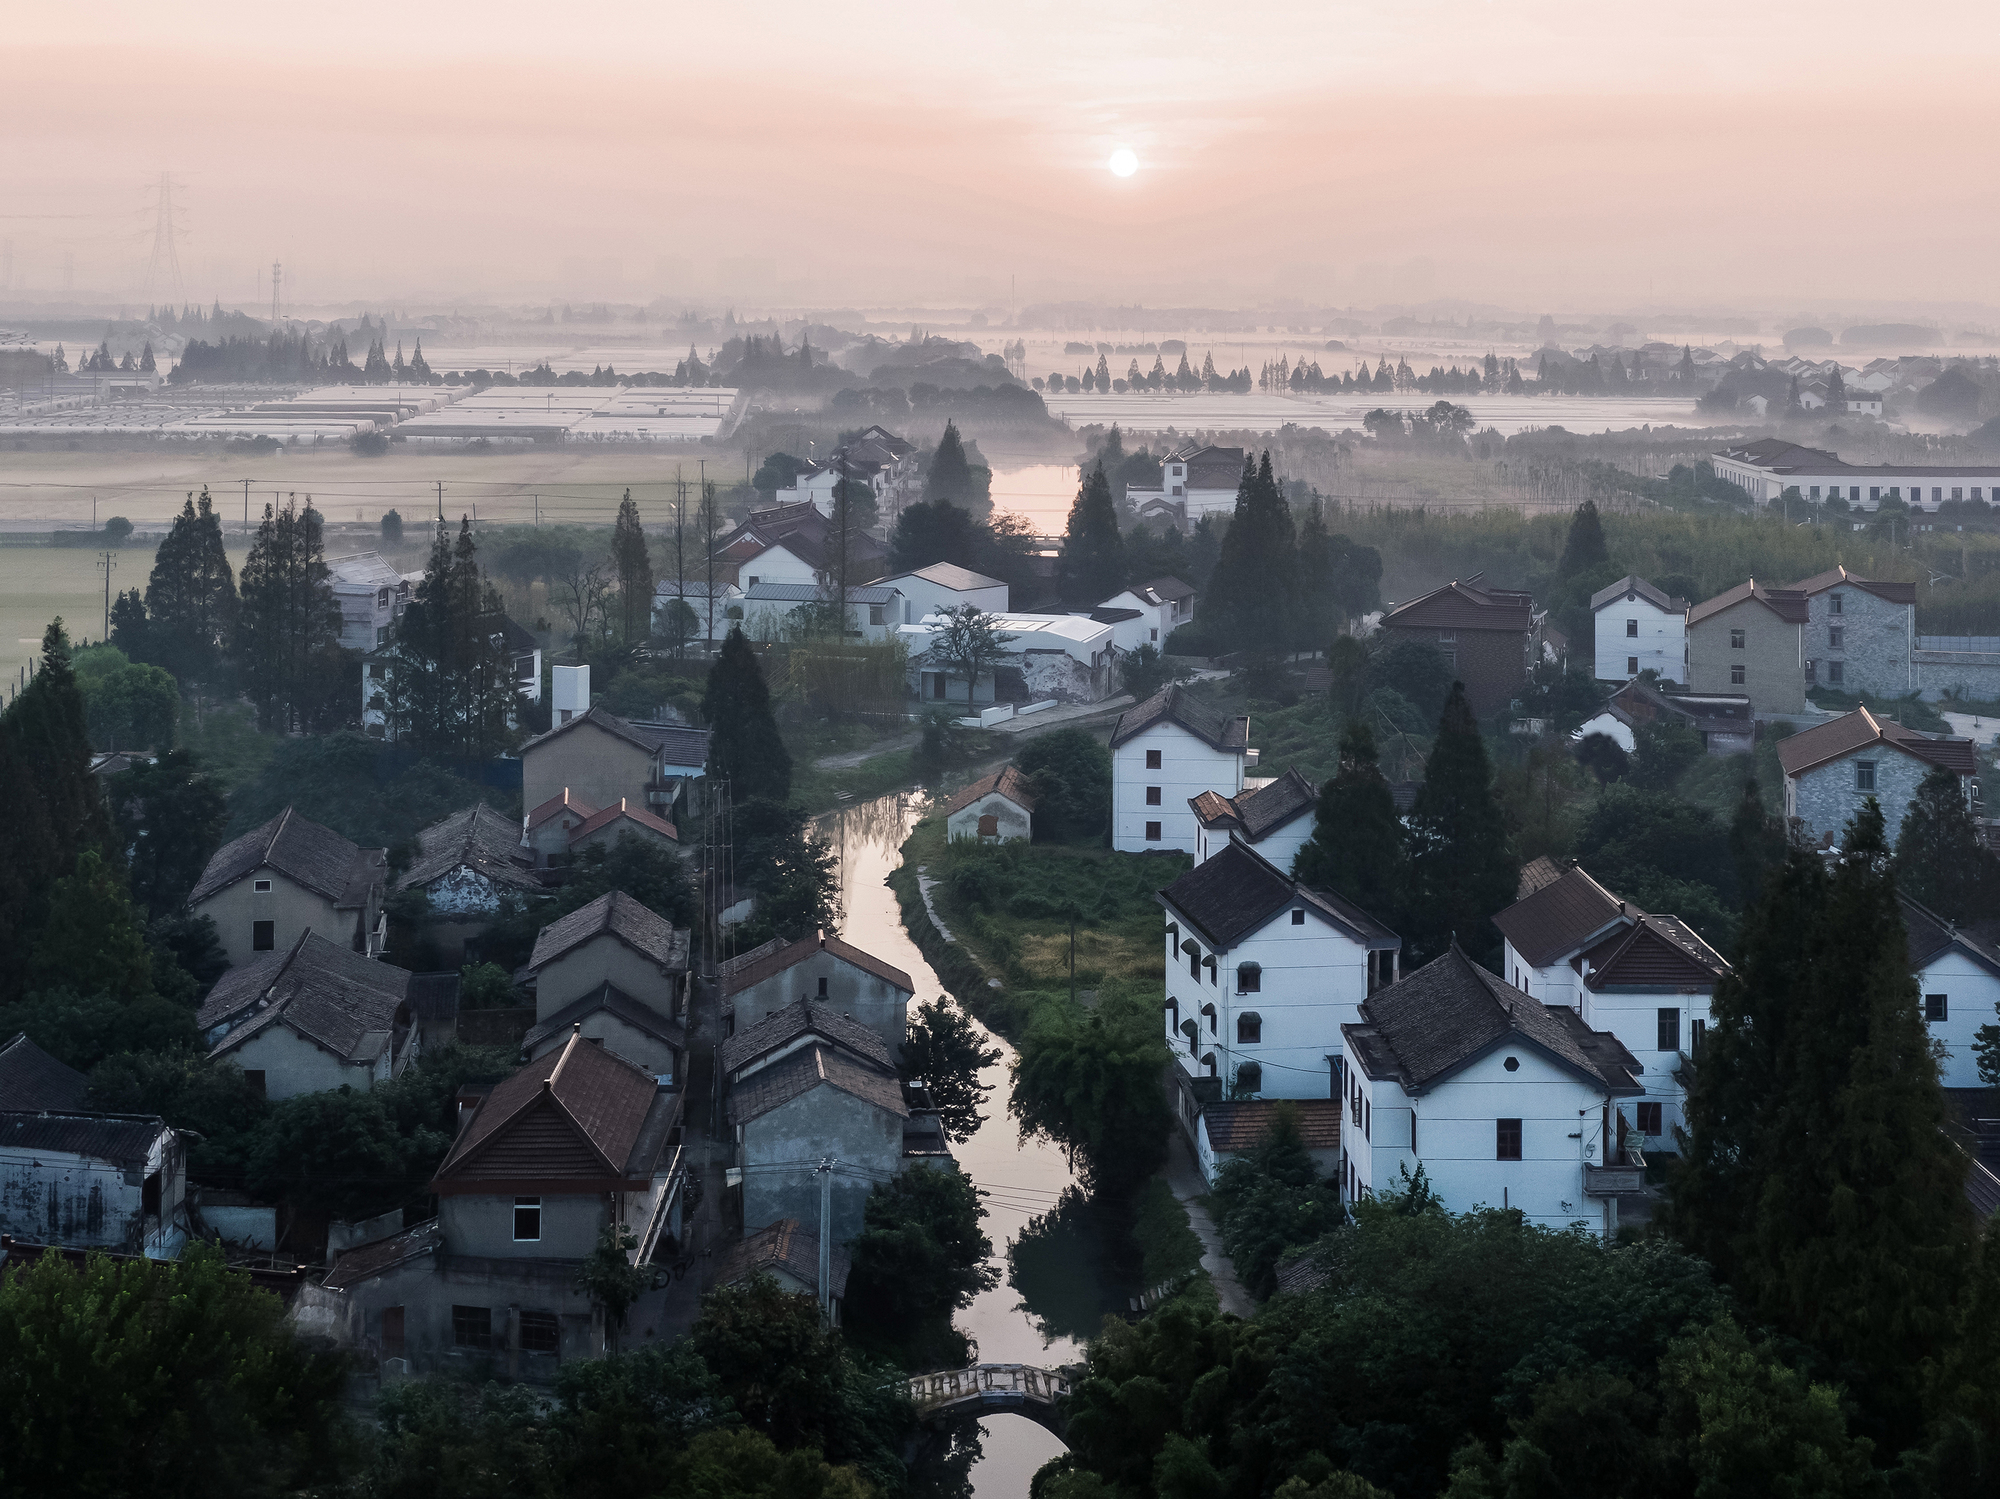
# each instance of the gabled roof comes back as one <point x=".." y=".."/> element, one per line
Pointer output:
<point x="559" y="804"/>
<point x="775" y="957"/>
<point x="1465" y="606"/>
<point x="1633" y="583"/>
<point x="1007" y="781"/>
<point x="1171" y="589"/>
<point x="679" y="745"/>
<point x="343" y="1002"/>
<point x="1930" y="936"/>
<point x="1257" y="813"/>
<point x="310" y="856"/>
<point x="1242" y="1126"/>
<point x="1537" y="872"/>
<point x="370" y="1260"/>
<point x="811" y="1067"/>
<point x="948" y="575"/>
<point x="1563" y="917"/>
<point x="1787" y="603"/>
<point x="806" y="1017"/>
<point x="32" y="1079"/>
<point x="815" y="593"/>
<point x="611" y="1000"/>
<point x="650" y="935"/>
<point x="581" y="1116"/>
<point x="1657" y="952"/>
<point x="1431" y="1024"/>
<point x="1175" y="705"/>
<point x="125" y="1138"/>
<point x="1895" y="593"/>
<point x="1851" y="732"/>
<point x="477" y="838"/>
<point x="624" y="812"/>
<point x="787" y="1246"/>
<point x="1237" y="891"/>
<point x="363" y="570"/>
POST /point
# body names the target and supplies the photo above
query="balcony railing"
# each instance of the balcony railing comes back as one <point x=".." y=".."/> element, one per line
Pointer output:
<point x="1613" y="1181"/>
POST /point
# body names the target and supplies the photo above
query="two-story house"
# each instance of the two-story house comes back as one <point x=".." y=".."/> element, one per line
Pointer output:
<point x="1833" y="768"/>
<point x="602" y="758"/>
<point x="372" y="596"/>
<point x="1147" y="613"/>
<point x="1639" y="628"/>
<point x="618" y="971"/>
<point x="1261" y="974"/>
<point x="1483" y="632"/>
<point x="1274" y="818"/>
<point x="268" y="888"/>
<point x="1196" y="479"/>
<point x="1861" y="633"/>
<point x="1505" y="1102"/>
<point x="1165" y="751"/>
<point x="465" y="864"/>
<point x="795" y="543"/>
<point x="312" y="1018"/>
<point x="785" y="611"/>
<point x="825" y="970"/>
<point x="1751" y="639"/>
<point x="1958" y="981"/>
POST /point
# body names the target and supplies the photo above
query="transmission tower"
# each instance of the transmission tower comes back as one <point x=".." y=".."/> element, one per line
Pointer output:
<point x="277" y="281"/>
<point x="163" y="272"/>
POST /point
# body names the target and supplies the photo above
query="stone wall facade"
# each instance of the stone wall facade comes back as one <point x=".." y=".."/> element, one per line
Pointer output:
<point x="1825" y="797"/>
<point x="1875" y="640"/>
<point x="1960" y="674"/>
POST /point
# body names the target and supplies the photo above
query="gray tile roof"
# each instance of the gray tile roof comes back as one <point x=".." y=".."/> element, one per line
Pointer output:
<point x="675" y="743"/>
<point x="329" y="994"/>
<point x="32" y="1079"/>
<point x="477" y="838"/>
<point x="806" y="1017"/>
<point x="1930" y="936"/>
<point x="1633" y="583"/>
<point x="808" y="593"/>
<point x="1236" y="891"/>
<point x="612" y="1000"/>
<point x="785" y="1245"/>
<point x="1177" y="706"/>
<point x="811" y="1067"/>
<point x="775" y="956"/>
<point x="1260" y="812"/>
<point x="108" y="1137"/>
<point x="1562" y="917"/>
<point x="949" y="575"/>
<point x="650" y="935"/>
<point x="316" y="858"/>
<point x="370" y="1260"/>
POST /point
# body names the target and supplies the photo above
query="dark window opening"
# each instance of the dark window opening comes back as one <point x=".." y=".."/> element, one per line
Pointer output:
<point x="1697" y="1033"/>
<point x="1250" y="1030"/>
<point x="1152" y="759"/>
<point x="1670" y="1030"/>
<point x="1632" y="629"/>
<point x="1208" y="1013"/>
<point x="1249" y="978"/>
<point x="392" y="1331"/>
<point x="1934" y="1006"/>
<point x="1152" y="796"/>
<point x="1649" y="1119"/>
<point x="989" y="827"/>
<point x="1249" y="1078"/>
<point x="1507" y="1139"/>
<point x="527" y="1220"/>
<point x="149" y="1195"/>
<point x="822" y="988"/>
<point x="1152" y="832"/>
<point x="254" y="1081"/>
<point x="263" y="936"/>
<point x="541" y="1332"/>
<point x="1735" y="676"/>
<point x="472" y="1326"/>
<point x="1298" y="918"/>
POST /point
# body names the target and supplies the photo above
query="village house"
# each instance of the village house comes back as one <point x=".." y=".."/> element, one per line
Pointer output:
<point x="268" y="888"/>
<point x="1227" y="1130"/>
<point x="1275" y="818"/>
<point x="788" y="1252"/>
<point x="88" y="1180"/>
<point x="1503" y="1101"/>
<point x="312" y="1018"/>
<point x="1768" y="467"/>
<point x="372" y="596"/>
<point x="1639" y="628"/>
<point x="509" y="638"/>
<point x="945" y="585"/>
<point x="1196" y="479"/>
<point x="714" y="608"/>
<point x="1723" y="720"/>
<point x="877" y="459"/>
<point x="573" y="1143"/>
<point x="31" y="1080"/>
<point x="1751" y="639"/>
<point x="999" y="808"/>
<point x="620" y="972"/>
<point x="824" y="969"/>
<point x="1833" y="768"/>
<point x="786" y="611"/>
<point x="1067" y="658"/>
<point x="1164" y="752"/>
<point x="1484" y="634"/>
<point x="1958" y="979"/>
<point x="1262" y="972"/>
<point x="794" y="543"/>
<point x="1147" y="613"/>
<point x="1861" y="634"/>
<point x="465" y="864"/>
<point x="598" y="756"/>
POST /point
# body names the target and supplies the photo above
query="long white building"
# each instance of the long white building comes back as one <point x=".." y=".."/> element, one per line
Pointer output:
<point x="1765" y="469"/>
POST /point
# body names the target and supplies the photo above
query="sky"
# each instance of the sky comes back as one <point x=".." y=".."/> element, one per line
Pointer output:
<point x="1553" y="154"/>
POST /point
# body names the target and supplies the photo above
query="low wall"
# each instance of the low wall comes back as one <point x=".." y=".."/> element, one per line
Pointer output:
<point x="1967" y="674"/>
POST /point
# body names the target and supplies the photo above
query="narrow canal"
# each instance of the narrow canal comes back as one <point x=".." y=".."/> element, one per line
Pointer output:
<point x="1062" y="1281"/>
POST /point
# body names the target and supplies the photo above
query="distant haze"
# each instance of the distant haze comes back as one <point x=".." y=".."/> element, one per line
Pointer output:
<point x="1516" y="152"/>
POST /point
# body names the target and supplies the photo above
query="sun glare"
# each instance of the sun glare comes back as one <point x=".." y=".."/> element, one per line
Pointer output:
<point x="1124" y="162"/>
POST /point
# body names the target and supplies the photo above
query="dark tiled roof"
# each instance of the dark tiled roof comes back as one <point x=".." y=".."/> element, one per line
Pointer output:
<point x="1561" y="917"/>
<point x="624" y="811"/>
<point x="1635" y="702"/>
<point x="1171" y="589"/>
<point x="1787" y="603"/>
<point x="1930" y="936"/>
<point x="1240" y="1126"/>
<point x="796" y="1075"/>
<point x="32" y="1079"/>
<point x="611" y="1000"/>
<point x="1261" y="812"/>
<point x="316" y="858"/>
<point x="1426" y="1026"/>
<point x="784" y="1245"/>
<point x="1176" y="705"/>
<point x="1861" y="730"/>
<point x="1298" y="1276"/>
<point x="650" y="935"/>
<point x="1008" y="781"/>
<point x="773" y="957"/>
<point x="328" y="993"/>
<point x="676" y="743"/>
<point x="434" y="996"/>
<point x="1658" y="952"/>
<point x="108" y="1137"/>
<point x="357" y="1265"/>
<point x="1103" y="616"/>
<point x="1464" y="606"/>
<point x="949" y="575"/>
<point x="1237" y="890"/>
<point x="805" y="1017"/>
<point x="1894" y="593"/>
<point x="476" y="838"/>
<point x="1633" y="583"/>
<point x="1536" y="873"/>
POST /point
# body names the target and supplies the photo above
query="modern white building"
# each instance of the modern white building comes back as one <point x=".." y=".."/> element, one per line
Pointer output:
<point x="771" y="611"/>
<point x="1165" y="752"/>
<point x="1274" y="817"/>
<point x="1639" y="628"/>
<point x="1958" y="981"/>
<point x="1504" y="1102"/>
<point x="1067" y="657"/>
<point x="1765" y="469"/>
<point x="372" y="597"/>
<point x="1147" y="613"/>
<point x="945" y="585"/>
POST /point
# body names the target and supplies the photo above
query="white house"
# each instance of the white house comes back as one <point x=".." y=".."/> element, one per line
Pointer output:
<point x="1147" y="613"/>
<point x="1164" y="752"/>
<point x="794" y="543"/>
<point x="1274" y="818"/>
<point x="771" y="610"/>
<point x="1639" y="628"/>
<point x="1262" y="972"/>
<point x="1068" y="657"/>
<point x="1833" y="768"/>
<point x="944" y="585"/>
<point x="1505" y="1102"/>
<point x="1196" y="479"/>
<point x="1766" y="468"/>
<point x="1958" y="977"/>
<point x="372" y="596"/>
<point x="999" y="808"/>
<point x="1545" y="934"/>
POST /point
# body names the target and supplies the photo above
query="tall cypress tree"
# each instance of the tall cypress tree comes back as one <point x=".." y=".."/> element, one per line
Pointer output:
<point x="1253" y="592"/>
<point x="746" y="749"/>
<point x="1584" y="548"/>
<point x="191" y="596"/>
<point x="1318" y="588"/>
<point x="1356" y="848"/>
<point x="1091" y="566"/>
<point x="1462" y="863"/>
<point x="635" y="574"/>
<point x="949" y="476"/>
<point x="1756" y="843"/>
<point x="288" y="620"/>
<point x="1940" y="858"/>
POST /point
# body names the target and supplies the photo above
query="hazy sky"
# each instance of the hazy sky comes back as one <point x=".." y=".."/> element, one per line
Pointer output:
<point x="1561" y="153"/>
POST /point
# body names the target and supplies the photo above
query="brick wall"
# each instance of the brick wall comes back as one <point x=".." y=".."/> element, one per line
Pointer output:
<point x="1874" y="653"/>
<point x="1825" y="797"/>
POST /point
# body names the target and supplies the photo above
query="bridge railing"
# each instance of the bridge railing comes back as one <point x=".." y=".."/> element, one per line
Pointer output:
<point x="979" y="1382"/>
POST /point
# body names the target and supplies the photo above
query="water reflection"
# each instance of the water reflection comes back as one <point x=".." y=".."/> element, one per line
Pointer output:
<point x="1073" y="1266"/>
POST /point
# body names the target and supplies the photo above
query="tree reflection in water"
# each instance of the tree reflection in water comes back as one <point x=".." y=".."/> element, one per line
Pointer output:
<point x="942" y="1465"/>
<point x="1074" y="1265"/>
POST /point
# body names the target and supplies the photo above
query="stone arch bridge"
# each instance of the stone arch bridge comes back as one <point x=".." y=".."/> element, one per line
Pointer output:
<point x="1038" y="1394"/>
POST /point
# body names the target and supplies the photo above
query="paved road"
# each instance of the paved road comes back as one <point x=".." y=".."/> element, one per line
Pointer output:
<point x="1184" y="1177"/>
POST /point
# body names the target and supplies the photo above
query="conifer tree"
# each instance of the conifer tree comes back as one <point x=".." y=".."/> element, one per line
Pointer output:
<point x="1756" y="844"/>
<point x="1318" y="588"/>
<point x="635" y="574"/>
<point x="1584" y="548"/>
<point x="1091" y="567"/>
<point x="1462" y="863"/>
<point x="1356" y="848"/>
<point x="1104" y="372"/>
<point x="288" y="621"/>
<point x="1253" y="592"/>
<point x="746" y="749"/>
<point x="191" y="596"/>
<point x="949" y="476"/>
<point x="1940" y="860"/>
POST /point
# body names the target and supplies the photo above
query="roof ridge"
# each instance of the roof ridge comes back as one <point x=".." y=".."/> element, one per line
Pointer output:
<point x="284" y="818"/>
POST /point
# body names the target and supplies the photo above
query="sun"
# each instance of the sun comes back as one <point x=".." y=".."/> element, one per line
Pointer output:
<point x="1124" y="162"/>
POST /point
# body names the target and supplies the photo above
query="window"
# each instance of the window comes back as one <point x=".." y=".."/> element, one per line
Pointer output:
<point x="1839" y="605"/>
<point x="472" y="1326"/>
<point x="1194" y="960"/>
<point x="1864" y="775"/>
<point x="1152" y="759"/>
<point x="540" y="1332"/>
<point x="1670" y="1030"/>
<point x="1152" y="796"/>
<point x="1631" y="666"/>
<point x="263" y="936"/>
<point x="1836" y="673"/>
<point x="1152" y="832"/>
<point x="254" y="1081"/>
<point x="1874" y="493"/>
<point x="1249" y="978"/>
<point x="1735" y="676"/>
<point x="1934" y="1007"/>
<point x="1250" y="1029"/>
<point x="1506" y="1139"/>
<point x="1413" y="1127"/>
<point x="1815" y="492"/>
<point x="1736" y="640"/>
<point x="937" y="685"/>
<point x="1448" y="637"/>
<point x="1249" y="1078"/>
<point x="262" y="887"/>
<point x="875" y="614"/>
<point x="527" y="1220"/>
<point x="1156" y="636"/>
<point x="989" y="826"/>
<point x="822" y="988"/>
<point x="1835" y="637"/>
<point x="1367" y="1113"/>
<point x="1632" y="629"/>
<point x="1208" y="1014"/>
<point x="753" y="580"/>
<point x="1955" y="494"/>
<point x="1649" y="1119"/>
<point x="392" y="1331"/>
<point x="1298" y="918"/>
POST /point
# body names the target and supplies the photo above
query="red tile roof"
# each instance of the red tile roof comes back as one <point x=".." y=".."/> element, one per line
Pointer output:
<point x="1007" y="781"/>
<point x="624" y="811"/>
<point x="563" y="803"/>
<point x="1787" y="603"/>
<point x="1465" y="606"/>
<point x="1240" y="1126"/>
<point x="1861" y="729"/>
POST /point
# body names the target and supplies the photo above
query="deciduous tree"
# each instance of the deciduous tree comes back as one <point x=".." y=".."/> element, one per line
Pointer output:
<point x="945" y="1051"/>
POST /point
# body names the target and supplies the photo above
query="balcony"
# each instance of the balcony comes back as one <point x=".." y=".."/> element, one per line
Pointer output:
<point x="1613" y="1181"/>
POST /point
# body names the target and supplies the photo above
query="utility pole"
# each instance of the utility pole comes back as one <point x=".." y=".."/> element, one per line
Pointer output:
<point x="246" y="508"/>
<point x="107" y="564"/>
<point x="277" y="281"/>
<point x="825" y="1170"/>
<point x="440" y="485"/>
